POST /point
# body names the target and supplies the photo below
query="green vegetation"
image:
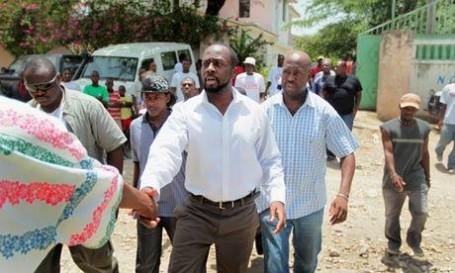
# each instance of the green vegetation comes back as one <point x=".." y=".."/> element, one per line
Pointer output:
<point x="24" y="29"/>
<point x="246" y="46"/>
<point x="353" y="16"/>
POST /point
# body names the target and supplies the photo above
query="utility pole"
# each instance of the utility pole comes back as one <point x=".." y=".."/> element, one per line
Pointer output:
<point x="394" y="5"/>
<point x="431" y="17"/>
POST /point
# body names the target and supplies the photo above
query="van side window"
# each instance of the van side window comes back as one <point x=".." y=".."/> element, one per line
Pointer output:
<point x="146" y="63"/>
<point x="169" y="59"/>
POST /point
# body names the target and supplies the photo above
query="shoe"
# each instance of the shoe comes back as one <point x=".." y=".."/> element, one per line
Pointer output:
<point x="392" y="251"/>
<point x="451" y="171"/>
<point x="439" y="157"/>
<point x="418" y="251"/>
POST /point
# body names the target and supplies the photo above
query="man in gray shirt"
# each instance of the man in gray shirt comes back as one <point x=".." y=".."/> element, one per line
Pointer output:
<point x="406" y="173"/>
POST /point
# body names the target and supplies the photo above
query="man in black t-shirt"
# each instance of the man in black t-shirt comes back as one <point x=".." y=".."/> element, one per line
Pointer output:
<point x="343" y="92"/>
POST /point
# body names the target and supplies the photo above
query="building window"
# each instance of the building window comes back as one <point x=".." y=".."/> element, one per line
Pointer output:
<point x="244" y="8"/>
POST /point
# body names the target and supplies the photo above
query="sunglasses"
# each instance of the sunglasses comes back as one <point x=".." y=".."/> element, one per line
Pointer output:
<point x="44" y="86"/>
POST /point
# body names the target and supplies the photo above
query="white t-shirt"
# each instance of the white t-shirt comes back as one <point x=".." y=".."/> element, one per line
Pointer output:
<point x="252" y="84"/>
<point x="274" y="76"/>
<point x="448" y="98"/>
<point x="178" y="67"/>
<point x="177" y="82"/>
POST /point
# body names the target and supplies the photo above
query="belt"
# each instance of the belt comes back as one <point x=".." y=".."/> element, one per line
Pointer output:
<point x="226" y="204"/>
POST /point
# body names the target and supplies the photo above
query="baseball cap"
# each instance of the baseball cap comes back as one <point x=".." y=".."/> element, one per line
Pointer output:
<point x="155" y="83"/>
<point x="320" y="58"/>
<point x="250" y="60"/>
<point x="410" y="100"/>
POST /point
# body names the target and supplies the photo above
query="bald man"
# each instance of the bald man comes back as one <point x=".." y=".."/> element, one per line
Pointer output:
<point x="304" y="124"/>
<point x="344" y="93"/>
<point x="86" y="118"/>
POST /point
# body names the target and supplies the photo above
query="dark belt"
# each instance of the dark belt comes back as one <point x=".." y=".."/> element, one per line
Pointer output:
<point x="226" y="204"/>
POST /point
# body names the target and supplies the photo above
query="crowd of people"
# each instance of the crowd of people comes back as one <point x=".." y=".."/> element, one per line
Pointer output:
<point x="219" y="158"/>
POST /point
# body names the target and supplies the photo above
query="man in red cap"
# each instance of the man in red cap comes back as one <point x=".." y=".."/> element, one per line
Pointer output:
<point x="406" y="173"/>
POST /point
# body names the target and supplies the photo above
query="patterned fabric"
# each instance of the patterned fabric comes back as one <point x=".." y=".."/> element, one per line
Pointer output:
<point x="50" y="190"/>
<point x="302" y="140"/>
<point x="155" y="83"/>
<point x="114" y="99"/>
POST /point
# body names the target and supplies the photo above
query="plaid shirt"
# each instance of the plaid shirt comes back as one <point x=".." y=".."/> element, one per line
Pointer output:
<point x="302" y="140"/>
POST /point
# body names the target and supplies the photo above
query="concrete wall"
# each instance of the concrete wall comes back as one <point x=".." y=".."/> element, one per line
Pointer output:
<point x="430" y="76"/>
<point x="395" y="57"/>
<point x="6" y="58"/>
<point x="401" y="71"/>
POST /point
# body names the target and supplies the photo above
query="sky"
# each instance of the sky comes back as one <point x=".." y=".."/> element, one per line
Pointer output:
<point x="300" y="6"/>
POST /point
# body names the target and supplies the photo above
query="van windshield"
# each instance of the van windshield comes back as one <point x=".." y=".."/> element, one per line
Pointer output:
<point x="117" y="68"/>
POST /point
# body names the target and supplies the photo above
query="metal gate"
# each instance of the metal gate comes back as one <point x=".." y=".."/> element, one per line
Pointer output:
<point x="367" y="68"/>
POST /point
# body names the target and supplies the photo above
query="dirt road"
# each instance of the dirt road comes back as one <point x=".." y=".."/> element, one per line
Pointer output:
<point x="358" y="244"/>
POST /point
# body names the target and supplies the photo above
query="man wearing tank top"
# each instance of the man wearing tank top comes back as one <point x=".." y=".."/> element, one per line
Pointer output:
<point x="406" y="174"/>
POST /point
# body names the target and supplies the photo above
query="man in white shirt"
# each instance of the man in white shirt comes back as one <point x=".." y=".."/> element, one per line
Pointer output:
<point x="274" y="76"/>
<point x="252" y="82"/>
<point x="176" y="83"/>
<point x="231" y="153"/>
<point x="447" y="123"/>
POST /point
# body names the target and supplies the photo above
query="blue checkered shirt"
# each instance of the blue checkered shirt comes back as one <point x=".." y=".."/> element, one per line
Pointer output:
<point x="302" y="140"/>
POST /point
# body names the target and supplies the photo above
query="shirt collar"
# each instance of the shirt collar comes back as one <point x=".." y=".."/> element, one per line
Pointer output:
<point x="309" y="102"/>
<point x="235" y="94"/>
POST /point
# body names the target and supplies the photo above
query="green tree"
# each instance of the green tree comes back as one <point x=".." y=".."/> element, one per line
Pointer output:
<point x="324" y="44"/>
<point x="245" y="45"/>
<point x="24" y="29"/>
<point x="350" y="17"/>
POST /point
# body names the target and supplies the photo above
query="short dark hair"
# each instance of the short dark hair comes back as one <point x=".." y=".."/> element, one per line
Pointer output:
<point x="233" y="58"/>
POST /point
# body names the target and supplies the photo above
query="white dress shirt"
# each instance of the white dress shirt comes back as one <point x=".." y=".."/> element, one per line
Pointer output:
<point x="229" y="155"/>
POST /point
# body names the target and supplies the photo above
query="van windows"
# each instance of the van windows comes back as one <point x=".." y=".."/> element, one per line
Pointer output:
<point x="146" y="63"/>
<point x="168" y="59"/>
<point x="117" y="68"/>
<point x="71" y="62"/>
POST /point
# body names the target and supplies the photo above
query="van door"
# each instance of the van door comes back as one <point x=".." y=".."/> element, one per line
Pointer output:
<point x="168" y="61"/>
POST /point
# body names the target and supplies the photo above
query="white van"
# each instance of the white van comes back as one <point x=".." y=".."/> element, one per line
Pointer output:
<point x="122" y="63"/>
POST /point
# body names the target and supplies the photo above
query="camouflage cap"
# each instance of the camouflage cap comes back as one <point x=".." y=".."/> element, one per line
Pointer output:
<point x="155" y="83"/>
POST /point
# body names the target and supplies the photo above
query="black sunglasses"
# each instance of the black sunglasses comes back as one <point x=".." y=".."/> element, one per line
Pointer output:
<point x="44" y="86"/>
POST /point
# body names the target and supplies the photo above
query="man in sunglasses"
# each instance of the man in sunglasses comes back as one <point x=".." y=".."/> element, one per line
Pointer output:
<point x="86" y="118"/>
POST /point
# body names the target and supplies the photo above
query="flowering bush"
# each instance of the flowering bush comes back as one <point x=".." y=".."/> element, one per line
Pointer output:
<point x="30" y="27"/>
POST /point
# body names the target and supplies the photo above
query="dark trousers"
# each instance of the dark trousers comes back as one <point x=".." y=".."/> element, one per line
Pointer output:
<point x="200" y="225"/>
<point x="418" y="206"/>
<point x="149" y="243"/>
<point x="99" y="260"/>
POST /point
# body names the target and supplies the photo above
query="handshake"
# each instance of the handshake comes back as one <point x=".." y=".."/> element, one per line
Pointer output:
<point x="143" y="204"/>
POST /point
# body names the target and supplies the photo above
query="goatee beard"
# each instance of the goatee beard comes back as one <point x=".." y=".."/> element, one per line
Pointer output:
<point x="216" y="89"/>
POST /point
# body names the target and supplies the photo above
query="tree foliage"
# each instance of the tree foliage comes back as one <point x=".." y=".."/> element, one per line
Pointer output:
<point x="245" y="45"/>
<point x="349" y="17"/>
<point x="24" y="29"/>
<point x="322" y="44"/>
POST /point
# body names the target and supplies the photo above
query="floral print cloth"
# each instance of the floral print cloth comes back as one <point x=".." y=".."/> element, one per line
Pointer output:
<point x="50" y="190"/>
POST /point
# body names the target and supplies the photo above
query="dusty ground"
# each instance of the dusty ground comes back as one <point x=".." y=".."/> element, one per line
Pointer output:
<point x="356" y="245"/>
